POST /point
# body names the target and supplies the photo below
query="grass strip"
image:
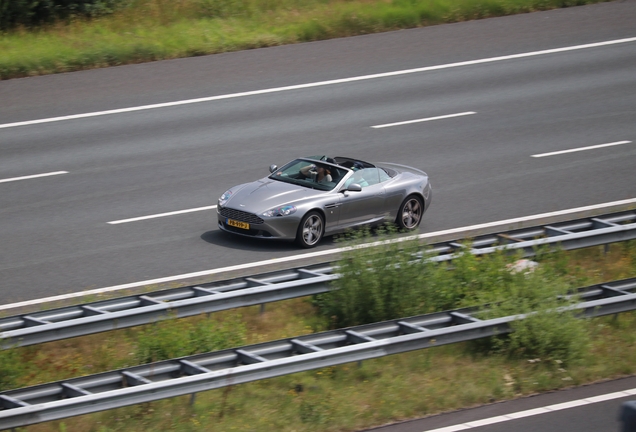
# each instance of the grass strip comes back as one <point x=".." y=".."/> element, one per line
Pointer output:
<point x="347" y="397"/>
<point x="149" y="30"/>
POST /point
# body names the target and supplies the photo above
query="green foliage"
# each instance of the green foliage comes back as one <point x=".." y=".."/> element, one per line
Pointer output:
<point x="133" y="31"/>
<point x="629" y="251"/>
<point x="224" y="8"/>
<point x="177" y="338"/>
<point x="33" y="13"/>
<point x="386" y="282"/>
<point x="315" y="409"/>
<point x="11" y="368"/>
<point x="550" y="331"/>
<point x="456" y="283"/>
<point x="378" y="284"/>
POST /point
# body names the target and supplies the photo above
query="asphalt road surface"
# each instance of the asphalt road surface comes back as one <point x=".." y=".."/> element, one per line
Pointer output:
<point x="494" y="118"/>
<point x="501" y="99"/>
<point x="593" y="408"/>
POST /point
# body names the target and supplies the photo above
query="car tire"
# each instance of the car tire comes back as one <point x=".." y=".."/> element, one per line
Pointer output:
<point x="410" y="213"/>
<point x="310" y="230"/>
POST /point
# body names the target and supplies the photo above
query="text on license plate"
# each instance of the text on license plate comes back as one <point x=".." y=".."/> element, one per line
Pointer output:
<point x="238" y="224"/>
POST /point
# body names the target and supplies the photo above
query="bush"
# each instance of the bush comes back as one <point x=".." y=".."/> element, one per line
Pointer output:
<point x="33" y="13"/>
<point x="377" y="284"/>
<point x="386" y="282"/>
<point x="551" y="331"/>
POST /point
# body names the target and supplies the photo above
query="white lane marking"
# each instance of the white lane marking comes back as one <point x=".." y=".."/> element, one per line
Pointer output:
<point x="581" y="149"/>
<point x="535" y="411"/>
<point x="424" y="120"/>
<point x="121" y="221"/>
<point x="33" y="176"/>
<point x="322" y="83"/>
<point x="308" y="255"/>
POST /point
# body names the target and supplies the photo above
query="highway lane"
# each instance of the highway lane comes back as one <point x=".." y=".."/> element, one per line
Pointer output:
<point x="54" y="230"/>
<point x="590" y="408"/>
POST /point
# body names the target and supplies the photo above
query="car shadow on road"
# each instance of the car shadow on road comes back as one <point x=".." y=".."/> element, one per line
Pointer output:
<point x="219" y="238"/>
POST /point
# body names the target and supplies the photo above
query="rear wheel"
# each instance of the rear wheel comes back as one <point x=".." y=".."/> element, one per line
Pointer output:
<point x="410" y="213"/>
<point x="310" y="230"/>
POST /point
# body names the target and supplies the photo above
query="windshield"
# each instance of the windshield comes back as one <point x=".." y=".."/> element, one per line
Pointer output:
<point x="310" y="174"/>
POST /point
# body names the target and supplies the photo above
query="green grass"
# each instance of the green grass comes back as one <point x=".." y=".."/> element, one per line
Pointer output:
<point x="347" y="397"/>
<point x="149" y="30"/>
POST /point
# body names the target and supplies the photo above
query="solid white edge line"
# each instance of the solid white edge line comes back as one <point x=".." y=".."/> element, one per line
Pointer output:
<point x="581" y="149"/>
<point x="121" y="221"/>
<point x="526" y="413"/>
<point x="322" y="83"/>
<point x="424" y="120"/>
<point x="33" y="176"/>
<point x="535" y="411"/>
<point x="306" y="255"/>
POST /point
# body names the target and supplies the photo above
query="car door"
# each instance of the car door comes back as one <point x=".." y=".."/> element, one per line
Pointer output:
<point x="366" y="206"/>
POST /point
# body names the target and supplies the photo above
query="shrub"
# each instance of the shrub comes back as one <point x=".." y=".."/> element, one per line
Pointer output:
<point x="377" y="284"/>
<point x="386" y="282"/>
<point x="551" y="331"/>
<point x="32" y="13"/>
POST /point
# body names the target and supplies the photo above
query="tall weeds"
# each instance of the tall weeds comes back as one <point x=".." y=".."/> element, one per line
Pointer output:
<point x="387" y="282"/>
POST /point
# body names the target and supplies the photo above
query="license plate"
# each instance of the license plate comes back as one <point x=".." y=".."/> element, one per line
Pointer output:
<point x="238" y="224"/>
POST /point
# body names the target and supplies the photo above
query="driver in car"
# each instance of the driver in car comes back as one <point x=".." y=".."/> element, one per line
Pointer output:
<point x="319" y="174"/>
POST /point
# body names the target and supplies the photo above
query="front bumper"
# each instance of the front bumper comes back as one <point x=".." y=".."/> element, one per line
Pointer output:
<point x="281" y="227"/>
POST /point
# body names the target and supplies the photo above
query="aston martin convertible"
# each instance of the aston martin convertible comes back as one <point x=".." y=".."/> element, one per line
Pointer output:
<point x="312" y="197"/>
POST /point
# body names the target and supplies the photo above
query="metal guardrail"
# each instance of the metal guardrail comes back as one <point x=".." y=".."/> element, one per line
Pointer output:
<point x="188" y="375"/>
<point x="123" y="312"/>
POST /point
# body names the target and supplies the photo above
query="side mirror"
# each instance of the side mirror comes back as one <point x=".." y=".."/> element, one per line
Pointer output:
<point x="272" y="168"/>
<point x="354" y="187"/>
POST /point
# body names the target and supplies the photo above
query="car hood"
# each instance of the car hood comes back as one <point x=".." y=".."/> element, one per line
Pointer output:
<point x="264" y="194"/>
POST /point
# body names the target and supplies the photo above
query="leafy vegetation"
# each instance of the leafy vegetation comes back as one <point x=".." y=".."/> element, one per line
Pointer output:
<point x="357" y="396"/>
<point x="179" y="338"/>
<point x="386" y="282"/>
<point x="101" y="33"/>
<point x="32" y="14"/>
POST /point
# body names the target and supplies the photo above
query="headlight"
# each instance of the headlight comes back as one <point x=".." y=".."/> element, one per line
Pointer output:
<point x="226" y="196"/>
<point x="280" y="211"/>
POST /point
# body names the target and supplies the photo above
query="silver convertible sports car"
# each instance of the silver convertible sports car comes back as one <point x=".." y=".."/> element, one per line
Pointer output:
<point x="317" y="196"/>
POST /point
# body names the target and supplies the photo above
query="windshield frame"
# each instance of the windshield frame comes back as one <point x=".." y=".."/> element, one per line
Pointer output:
<point x="290" y="173"/>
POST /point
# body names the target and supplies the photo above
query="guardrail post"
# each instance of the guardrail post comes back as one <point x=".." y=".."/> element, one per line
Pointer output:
<point x="628" y="416"/>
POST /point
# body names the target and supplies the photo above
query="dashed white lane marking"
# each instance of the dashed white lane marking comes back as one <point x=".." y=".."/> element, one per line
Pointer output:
<point x="121" y="221"/>
<point x="33" y="176"/>
<point x="319" y="253"/>
<point x="535" y="411"/>
<point x="424" y="120"/>
<point x="581" y="149"/>
<point x="322" y="83"/>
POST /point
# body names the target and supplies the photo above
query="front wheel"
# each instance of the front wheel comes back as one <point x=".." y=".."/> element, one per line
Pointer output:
<point x="410" y="213"/>
<point x="310" y="230"/>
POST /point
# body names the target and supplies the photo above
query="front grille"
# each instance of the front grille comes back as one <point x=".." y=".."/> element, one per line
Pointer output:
<point x="239" y="215"/>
